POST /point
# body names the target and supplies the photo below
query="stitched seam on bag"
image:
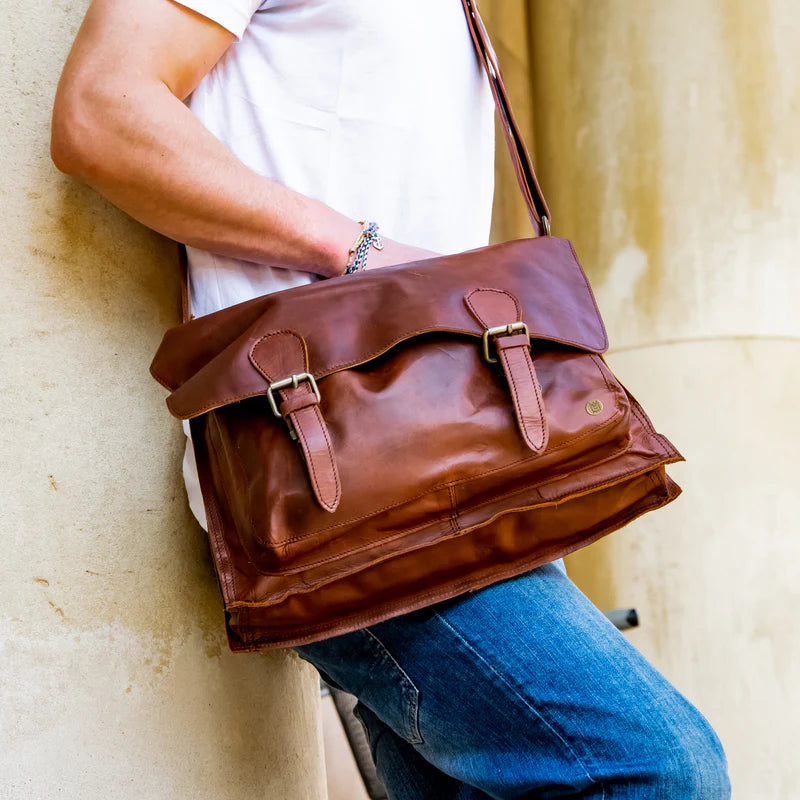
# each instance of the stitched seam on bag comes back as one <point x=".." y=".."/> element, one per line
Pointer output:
<point x="498" y="291"/>
<point x="315" y="532"/>
<point x="247" y="395"/>
<point x="413" y="333"/>
<point x="348" y="364"/>
<point x="648" y="426"/>
<point x="161" y="379"/>
<point x="453" y="509"/>
<point x="598" y="362"/>
<point x="227" y="578"/>
<point x="661" y="444"/>
<point x="248" y="635"/>
<point x="441" y="486"/>
<point x="219" y="540"/>
<point x="261" y="368"/>
<point x="320" y="421"/>
<point x="219" y="544"/>
<point x="236" y="462"/>
<point x="457" y="586"/>
<point x="310" y="460"/>
<point x="506" y="356"/>
<point x="653" y="480"/>
<point x="517" y="407"/>
<point x="459" y="529"/>
<point x="325" y="433"/>
<point x="419" y="332"/>
<point x="581" y="345"/>
<point x="224" y="402"/>
<point x="308" y="399"/>
<point x="318" y="531"/>
<point x="280" y="546"/>
<point x="362" y="547"/>
<point x="567" y="442"/>
<point x="584" y="490"/>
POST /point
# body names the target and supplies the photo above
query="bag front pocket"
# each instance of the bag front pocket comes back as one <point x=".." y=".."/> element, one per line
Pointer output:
<point x="412" y="430"/>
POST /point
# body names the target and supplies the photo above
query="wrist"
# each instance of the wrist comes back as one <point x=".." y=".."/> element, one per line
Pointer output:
<point x="347" y="248"/>
<point x="335" y="247"/>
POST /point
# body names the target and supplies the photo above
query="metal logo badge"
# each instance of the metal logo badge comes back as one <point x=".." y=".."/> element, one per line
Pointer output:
<point x="594" y="407"/>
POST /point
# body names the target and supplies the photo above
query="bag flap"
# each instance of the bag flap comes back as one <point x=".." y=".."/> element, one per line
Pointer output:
<point x="351" y="319"/>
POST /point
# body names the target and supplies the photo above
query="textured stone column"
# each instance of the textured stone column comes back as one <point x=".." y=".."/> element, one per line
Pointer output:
<point x="667" y="144"/>
<point x="115" y="677"/>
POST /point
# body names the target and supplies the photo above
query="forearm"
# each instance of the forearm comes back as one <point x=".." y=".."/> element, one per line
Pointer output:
<point x="144" y="150"/>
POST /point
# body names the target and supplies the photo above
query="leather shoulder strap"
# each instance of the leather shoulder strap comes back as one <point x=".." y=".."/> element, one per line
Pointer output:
<point x="523" y="166"/>
<point x="183" y="265"/>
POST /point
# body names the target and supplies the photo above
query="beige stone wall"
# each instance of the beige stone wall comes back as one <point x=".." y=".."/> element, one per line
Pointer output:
<point x="115" y="677"/>
<point x="667" y="143"/>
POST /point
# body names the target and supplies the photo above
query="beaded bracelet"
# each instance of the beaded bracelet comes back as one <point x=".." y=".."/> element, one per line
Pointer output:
<point x="357" y="257"/>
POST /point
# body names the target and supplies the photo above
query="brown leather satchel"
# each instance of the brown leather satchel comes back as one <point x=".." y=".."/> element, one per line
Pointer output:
<point x="377" y="442"/>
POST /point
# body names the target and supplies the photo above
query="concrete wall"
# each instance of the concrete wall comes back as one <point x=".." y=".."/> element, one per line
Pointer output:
<point x="667" y="143"/>
<point x="115" y="677"/>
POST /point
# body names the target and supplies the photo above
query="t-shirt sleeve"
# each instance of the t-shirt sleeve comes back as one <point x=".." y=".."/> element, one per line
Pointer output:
<point x="233" y="15"/>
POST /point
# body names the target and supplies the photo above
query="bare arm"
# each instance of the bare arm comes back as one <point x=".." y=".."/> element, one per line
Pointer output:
<point x="120" y="125"/>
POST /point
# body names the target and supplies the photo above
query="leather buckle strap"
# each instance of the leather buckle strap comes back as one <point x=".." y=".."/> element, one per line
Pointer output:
<point x="492" y="307"/>
<point x="514" y="352"/>
<point x="276" y="354"/>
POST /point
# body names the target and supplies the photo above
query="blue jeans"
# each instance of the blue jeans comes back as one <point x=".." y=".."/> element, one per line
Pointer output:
<point x="520" y="689"/>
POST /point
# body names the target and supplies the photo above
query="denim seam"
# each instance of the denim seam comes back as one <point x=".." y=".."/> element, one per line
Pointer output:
<point x="524" y="700"/>
<point x="409" y="688"/>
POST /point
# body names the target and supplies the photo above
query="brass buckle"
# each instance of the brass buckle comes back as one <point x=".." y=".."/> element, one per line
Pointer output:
<point x="294" y="380"/>
<point x="506" y="330"/>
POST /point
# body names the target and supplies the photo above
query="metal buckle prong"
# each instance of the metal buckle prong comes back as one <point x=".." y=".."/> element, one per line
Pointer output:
<point x="293" y="381"/>
<point x="499" y="330"/>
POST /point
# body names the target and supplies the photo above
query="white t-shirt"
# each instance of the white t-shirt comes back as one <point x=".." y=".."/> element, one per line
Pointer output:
<point x="379" y="109"/>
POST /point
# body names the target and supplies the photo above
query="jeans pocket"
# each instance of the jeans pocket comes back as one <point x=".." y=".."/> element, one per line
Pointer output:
<point x="391" y="693"/>
<point x="360" y="663"/>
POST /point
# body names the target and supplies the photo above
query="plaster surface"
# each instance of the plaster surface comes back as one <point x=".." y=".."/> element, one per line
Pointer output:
<point x="115" y="677"/>
<point x="713" y="576"/>
<point x="666" y="144"/>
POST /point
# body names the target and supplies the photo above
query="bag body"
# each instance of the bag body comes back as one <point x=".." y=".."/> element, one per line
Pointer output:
<point x="377" y="442"/>
<point x="425" y="464"/>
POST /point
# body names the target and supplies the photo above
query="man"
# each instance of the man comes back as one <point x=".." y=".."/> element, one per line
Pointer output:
<point x="302" y="117"/>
